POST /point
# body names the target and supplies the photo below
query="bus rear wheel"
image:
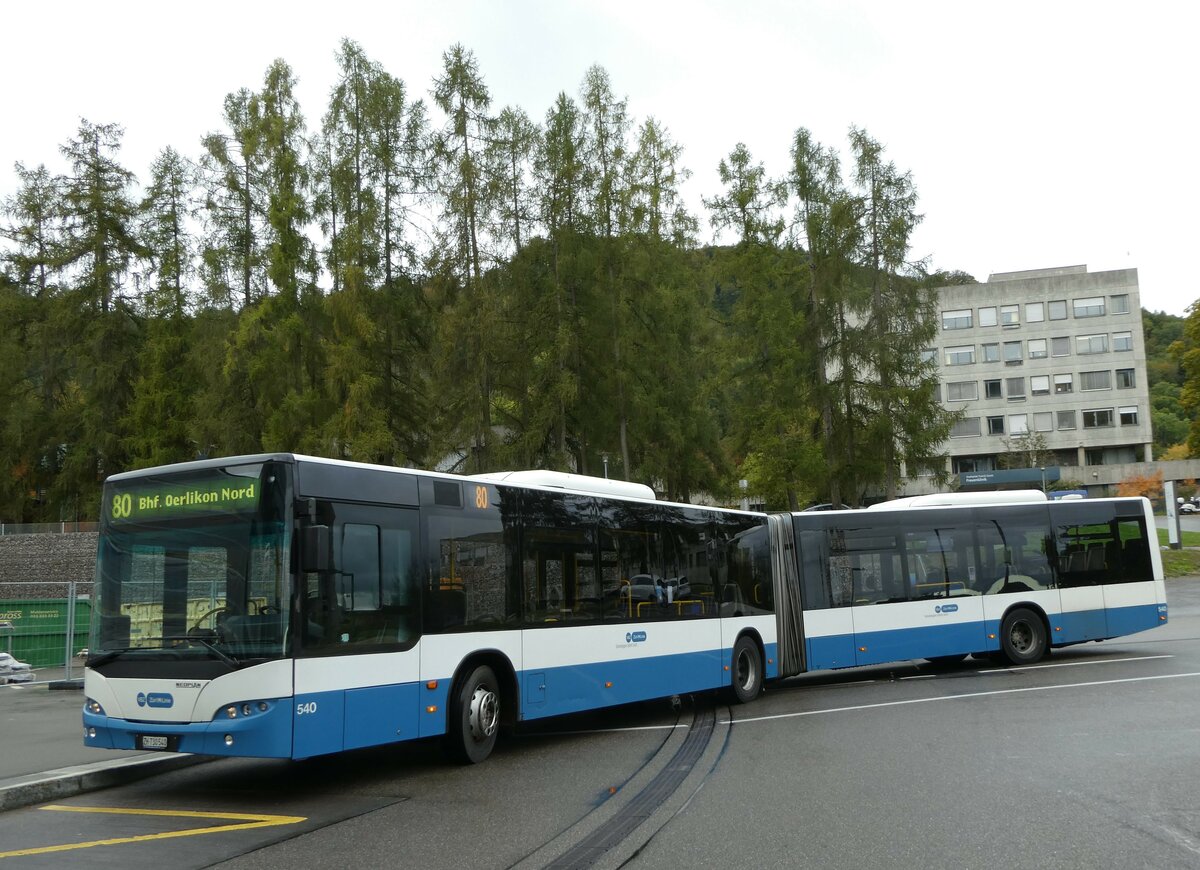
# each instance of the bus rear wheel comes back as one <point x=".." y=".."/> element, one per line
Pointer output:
<point x="474" y="717"/>
<point x="747" y="676"/>
<point x="1023" y="637"/>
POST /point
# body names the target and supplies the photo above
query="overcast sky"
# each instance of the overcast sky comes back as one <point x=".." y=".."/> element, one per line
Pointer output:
<point x="1038" y="134"/>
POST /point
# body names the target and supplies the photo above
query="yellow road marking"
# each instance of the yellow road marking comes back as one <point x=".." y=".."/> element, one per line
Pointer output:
<point x="246" y="821"/>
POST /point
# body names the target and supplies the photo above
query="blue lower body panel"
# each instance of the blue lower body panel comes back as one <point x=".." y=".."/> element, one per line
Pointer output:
<point x="586" y="687"/>
<point x="260" y="735"/>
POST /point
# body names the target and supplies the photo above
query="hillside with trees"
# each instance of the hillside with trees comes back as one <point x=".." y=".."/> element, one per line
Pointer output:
<point x="449" y="283"/>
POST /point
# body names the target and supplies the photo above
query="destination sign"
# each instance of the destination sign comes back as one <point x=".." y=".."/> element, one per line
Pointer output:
<point x="164" y="499"/>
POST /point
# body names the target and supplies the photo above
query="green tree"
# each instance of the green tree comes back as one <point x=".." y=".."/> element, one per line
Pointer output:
<point x="160" y="414"/>
<point x="234" y="204"/>
<point x="906" y="421"/>
<point x="604" y="149"/>
<point x="34" y="233"/>
<point x="766" y="363"/>
<point x="1186" y="350"/>
<point x="469" y="323"/>
<point x="553" y="392"/>
<point x="828" y="228"/>
<point x="98" y="215"/>
<point x="99" y="250"/>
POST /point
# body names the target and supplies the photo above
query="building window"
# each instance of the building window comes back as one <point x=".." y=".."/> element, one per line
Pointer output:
<point x="1037" y="348"/>
<point x="987" y="316"/>
<point x="1035" y="312"/>
<point x="1060" y="346"/>
<point x="991" y="351"/>
<point x="1126" y="379"/>
<point x="1018" y="424"/>
<point x="1118" y="304"/>
<point x="991" y="389"/>
<point x="1012" y="353"/>
<point x="995" y="425"/>
<point x="1122" y="341"/>
<point x="1066" y="419"/>
<point x="1057" y="309"/>
<point x="972" y="464"/>
<point x="965" y="428"/>
<point x="1093" y="306"/>
<point x="1016" y="389"/>
<point x="1039" y="385"/>
<point x="1128" y="415"/>
<point x="962" y="391"/>
<point x="1101" y="380"/>
<point x="961" y="355"/>
<point x="960" y="319"/>
<point x="1093" y="456"/>
<point x="1098" y="418"/>
<point x="1091" y="343"/>
<point x="929" y="355"/>
<point x="1010" y="315"/>
<point x="1043" y="421"/>
<point x="1063" y="384"/>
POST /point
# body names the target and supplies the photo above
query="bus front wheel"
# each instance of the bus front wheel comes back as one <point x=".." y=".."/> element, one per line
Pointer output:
<point x="1023" y="637"/>
<point x="475" y="717"/>
<point x="747" y="670"/>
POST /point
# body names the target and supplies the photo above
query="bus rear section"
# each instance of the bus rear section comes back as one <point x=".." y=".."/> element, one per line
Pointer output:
<point x="1013" y="579"/>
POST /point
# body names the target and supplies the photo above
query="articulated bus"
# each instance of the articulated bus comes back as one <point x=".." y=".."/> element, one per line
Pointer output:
<point x="288" y="606"/>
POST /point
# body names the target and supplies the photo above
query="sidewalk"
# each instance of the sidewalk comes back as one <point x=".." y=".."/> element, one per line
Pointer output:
<point x="42" y="756"/>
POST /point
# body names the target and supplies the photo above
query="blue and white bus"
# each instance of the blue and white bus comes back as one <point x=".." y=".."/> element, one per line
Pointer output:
<point x="289" y="606"/>
<point x="941" y="577"/>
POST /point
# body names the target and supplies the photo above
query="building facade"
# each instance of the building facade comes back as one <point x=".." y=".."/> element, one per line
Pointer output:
<point x="1048" y="369"/>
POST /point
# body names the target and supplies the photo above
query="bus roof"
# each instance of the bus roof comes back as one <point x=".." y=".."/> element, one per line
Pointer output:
<point x="963" y="499"/>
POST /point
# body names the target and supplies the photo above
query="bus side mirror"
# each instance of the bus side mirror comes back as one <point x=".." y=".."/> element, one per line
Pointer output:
<point x="316" y="550"/>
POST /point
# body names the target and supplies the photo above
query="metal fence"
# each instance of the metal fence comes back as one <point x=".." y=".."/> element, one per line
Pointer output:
<point x="46" y="625"/>
<point x="46" y="528"/>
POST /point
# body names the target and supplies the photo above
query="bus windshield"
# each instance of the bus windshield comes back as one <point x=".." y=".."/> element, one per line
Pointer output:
<point x="193" y="566"/>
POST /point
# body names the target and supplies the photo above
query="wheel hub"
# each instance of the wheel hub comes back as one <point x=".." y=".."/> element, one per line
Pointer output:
<point x="484" y="713"/>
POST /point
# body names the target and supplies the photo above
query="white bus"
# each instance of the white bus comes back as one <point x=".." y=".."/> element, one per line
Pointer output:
<point x="288" y="606"/>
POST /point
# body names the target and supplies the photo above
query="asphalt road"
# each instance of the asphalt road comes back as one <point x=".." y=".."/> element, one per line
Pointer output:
<point x="1087" y="760"/>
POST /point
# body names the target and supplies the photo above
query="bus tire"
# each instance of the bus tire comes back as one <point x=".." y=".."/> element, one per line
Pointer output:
<point x="1023" y="637"/>
<point x="474" y="717"/>
<point x="746" y="671"/>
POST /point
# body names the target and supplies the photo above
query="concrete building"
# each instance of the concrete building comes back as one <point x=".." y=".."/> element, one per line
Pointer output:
<point x="1051" y="360"/>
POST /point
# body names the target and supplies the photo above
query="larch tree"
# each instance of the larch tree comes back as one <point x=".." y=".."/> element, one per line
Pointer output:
<point x="469" y="318"/>
<point x="160" y="414"/>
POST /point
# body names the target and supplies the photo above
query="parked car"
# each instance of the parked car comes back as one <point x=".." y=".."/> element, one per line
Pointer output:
<point x="13" y="671"/>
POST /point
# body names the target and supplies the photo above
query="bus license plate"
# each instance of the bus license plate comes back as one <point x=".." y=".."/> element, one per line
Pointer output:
<point x="158" y="742"/>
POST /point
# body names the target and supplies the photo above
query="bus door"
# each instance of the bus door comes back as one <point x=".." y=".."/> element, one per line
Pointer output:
<point x="1082" y="555"/>
<point x="357" y="672"/>
<point x="1014" y="566"/>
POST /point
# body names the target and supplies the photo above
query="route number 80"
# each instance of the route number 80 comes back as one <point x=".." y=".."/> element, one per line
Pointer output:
<point x="122" y="506"/>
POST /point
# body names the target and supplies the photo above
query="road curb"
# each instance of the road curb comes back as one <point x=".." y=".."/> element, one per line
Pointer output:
<point x="22" y="791"/>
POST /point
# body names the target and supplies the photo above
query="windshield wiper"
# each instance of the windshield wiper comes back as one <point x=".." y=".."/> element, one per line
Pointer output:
<point x="227" y="659"/>
<point x="105" y="657"/>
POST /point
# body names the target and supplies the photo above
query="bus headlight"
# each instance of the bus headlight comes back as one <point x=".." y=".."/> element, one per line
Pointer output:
<point x="93" y="706"/>
<point x="231" y="711"/>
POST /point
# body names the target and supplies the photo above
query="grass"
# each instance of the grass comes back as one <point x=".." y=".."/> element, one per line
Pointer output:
<point x="1180" y="563"/>
<point x="1189" y="539"/>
